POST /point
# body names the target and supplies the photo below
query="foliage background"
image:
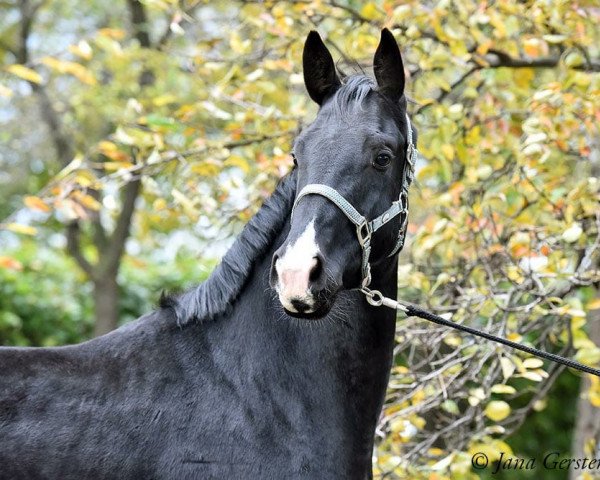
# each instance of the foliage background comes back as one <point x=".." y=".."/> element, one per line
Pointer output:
<point x="136" y="138"/>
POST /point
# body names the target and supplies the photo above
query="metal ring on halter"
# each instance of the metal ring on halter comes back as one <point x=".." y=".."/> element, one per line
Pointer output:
<point x="374" y="297"/>
<point x="363" y="232"/>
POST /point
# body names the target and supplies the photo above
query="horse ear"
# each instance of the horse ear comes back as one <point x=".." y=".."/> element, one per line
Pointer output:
<point x="388" y="67"/>
<point x="320" y="77"/>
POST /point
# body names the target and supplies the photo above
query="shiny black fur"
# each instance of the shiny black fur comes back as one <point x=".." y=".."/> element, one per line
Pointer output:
<point x="220" y="383"/>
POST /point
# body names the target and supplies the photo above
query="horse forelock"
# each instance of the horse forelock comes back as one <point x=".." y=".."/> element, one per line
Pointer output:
<point x="216" y="295"/>
<point x="352" y="93"/>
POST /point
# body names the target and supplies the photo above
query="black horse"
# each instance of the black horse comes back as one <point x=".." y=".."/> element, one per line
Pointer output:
<point x="276" y="367"/>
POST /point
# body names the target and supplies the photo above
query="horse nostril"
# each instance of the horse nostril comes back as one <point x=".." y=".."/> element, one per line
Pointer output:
<point x="316" y="270"/>
<point x="273" y="272"/>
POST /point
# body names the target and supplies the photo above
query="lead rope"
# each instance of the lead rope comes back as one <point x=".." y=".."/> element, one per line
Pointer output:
<point x="375" y="298"/>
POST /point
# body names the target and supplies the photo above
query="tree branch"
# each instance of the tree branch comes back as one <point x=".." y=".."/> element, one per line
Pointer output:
<point x="74" y="249"/>
<point x="139" y="22"/>
<point x="499" y="59"/>
<point x="178" y="18"/>
<point x="444" y="93"/>
<point x="116" y="244"/>
<point x="62" y="144"/>
<point x="502" y="59"/>
<point x="8" y="48"/>
<point x="353" y="13"/>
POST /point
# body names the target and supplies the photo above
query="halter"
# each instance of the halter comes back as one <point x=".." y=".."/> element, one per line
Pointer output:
<point x="365" y="228"/>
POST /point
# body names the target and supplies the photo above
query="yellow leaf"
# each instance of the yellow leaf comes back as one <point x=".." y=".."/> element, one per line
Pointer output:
<point x="572" y="233"/>
<point x="508" y="367"/>
<point x="114" y="166"/>
<point x="491" y="448"/>
<point x="594" y="391"/>
<point x="205" y="169"/>
<point x="533" y="363"/>
<point x="588" y="356"/>
<point x="87" y="201"/>
<point x="532" y="47"/>
<point x="453" y="340"/>
<point x="71" y="68"/>
<point x="533" y="376"/>
<point x="483" y="47"/>
<point x="501" y="388"/>
<point x="436" y="452"/>
<point x="514" y="336"/>
<point x="114" y="33"/>
<point x="84" y="178"/>
<point x="237" y="161"/>
<point x="106" y="146"/>
<point x="418" y="422"/>
<point x="187" y="204"/>
<point x="237" y="44"/>
<point x="443" y="463"/>
<point x="164" y="99"/>
<point x="524" y="77"/>
<point x="514" y="274"/>
<point x="555" y="39"/>
<point x="18" y="228"/>
<point x="36" y="203"/>
<point x="497" y="410"/>
<point x="594" y="304"/>
<point x="82" y="74"/>
<point x="595" y="399"/>
<point x="25" y="73"/>
<point x="159" y="204"/>
<point x="5" y="91"/>
<point x="369" y="11"/>
<point x="448" y="151"/>
<point x="82" y="49"/>
<point x="110" y="150"/>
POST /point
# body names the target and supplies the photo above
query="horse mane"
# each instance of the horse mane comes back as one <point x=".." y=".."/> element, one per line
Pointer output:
<point x="215" y="296"/>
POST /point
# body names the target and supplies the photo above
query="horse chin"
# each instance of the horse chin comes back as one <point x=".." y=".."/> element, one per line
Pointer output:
<point x="321" y="310"/>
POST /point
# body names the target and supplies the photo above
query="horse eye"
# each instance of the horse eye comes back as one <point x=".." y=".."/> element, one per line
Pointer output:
<point x="294" y="159"/>
<point x="382" y="160"/>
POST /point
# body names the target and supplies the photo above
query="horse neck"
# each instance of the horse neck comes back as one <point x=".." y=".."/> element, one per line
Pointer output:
<point x="331" y="374"/>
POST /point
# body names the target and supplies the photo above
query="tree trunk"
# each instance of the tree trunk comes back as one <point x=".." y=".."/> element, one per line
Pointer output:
<point x="106" y="304"/>
<point x="587" y="424"/>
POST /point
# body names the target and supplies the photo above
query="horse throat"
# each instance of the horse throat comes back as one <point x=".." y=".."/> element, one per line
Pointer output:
<point x="323" y="380"/>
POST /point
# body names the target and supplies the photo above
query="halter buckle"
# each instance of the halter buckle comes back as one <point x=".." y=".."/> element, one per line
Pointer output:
<point x="363" y="232"/>
<point x="410" y="151"/>
<point x="403" y="199"/>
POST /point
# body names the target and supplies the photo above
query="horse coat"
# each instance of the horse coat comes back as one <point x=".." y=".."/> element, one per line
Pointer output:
<point x="223" y="382"/>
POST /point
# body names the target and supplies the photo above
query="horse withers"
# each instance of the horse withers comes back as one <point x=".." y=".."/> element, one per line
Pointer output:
<point x="276" y="366"/>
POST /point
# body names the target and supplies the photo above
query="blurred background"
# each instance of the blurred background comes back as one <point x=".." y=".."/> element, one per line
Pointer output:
<point x="137" y="138"/>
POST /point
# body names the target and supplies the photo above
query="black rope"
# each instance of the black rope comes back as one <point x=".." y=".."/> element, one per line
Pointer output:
<point x="412" y="310"/>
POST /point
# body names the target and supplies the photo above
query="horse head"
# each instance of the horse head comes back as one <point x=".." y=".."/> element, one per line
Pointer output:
<point x="352" y="165"/>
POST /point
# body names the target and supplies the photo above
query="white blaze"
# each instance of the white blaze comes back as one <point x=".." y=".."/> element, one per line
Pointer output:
<point x="294" y="267"/>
